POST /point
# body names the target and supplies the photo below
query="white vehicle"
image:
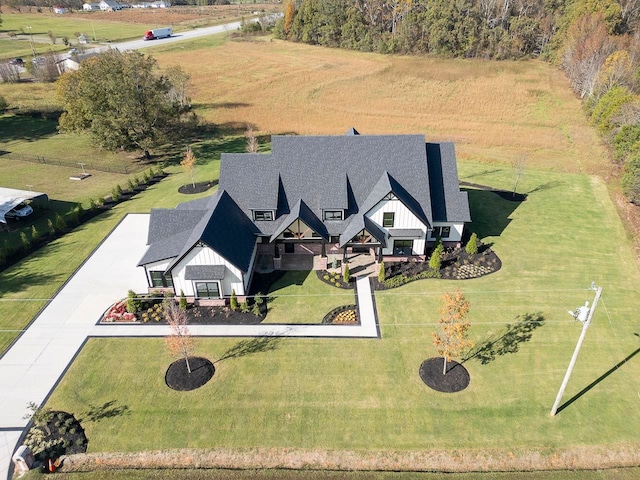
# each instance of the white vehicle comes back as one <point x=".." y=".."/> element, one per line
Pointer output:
<point x="157" y="33"/>
<point x="21" y="210"/>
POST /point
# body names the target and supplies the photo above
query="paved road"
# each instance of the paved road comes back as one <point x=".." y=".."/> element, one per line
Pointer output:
<point x="31" y="368"/>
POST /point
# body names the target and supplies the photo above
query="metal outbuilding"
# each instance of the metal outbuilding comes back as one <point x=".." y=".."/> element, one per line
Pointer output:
<point x="10" y="197"/>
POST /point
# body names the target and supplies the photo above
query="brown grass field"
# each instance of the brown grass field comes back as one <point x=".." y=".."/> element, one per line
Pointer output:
<point x="495" y="112"/>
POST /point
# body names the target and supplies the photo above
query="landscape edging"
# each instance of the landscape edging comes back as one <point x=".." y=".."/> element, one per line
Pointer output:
<point x="591" y="457"/>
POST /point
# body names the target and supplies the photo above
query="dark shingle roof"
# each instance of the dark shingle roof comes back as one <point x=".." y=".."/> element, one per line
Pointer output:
<point x="448" y="202"/>
<point x="222" y="226"/>
<point x="204" y="272"/>
<point x="317" y="170"/>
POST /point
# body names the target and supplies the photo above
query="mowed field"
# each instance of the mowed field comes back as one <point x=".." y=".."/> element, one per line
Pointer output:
<point x="495" y="112"/>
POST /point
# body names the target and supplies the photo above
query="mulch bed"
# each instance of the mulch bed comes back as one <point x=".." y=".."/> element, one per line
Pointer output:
<point x="223" y="316"/>
<point x="179" y="378"/>
<point x="65" y="430"/>
<point x="200" y="187"/>
<point x="455" y="380"/>
<point x="327" y="277"/>
<point x="343" y="315"/>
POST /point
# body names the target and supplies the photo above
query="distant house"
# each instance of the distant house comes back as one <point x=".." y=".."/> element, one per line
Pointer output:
<point x="83" y="39"/>
<point x="73" y="62"/>
<point x="159" y="4"/>
<point x="59" y="9"/>
<point x="88" y="7"/>
<point x="386" y="196"/>
<point x="110" y="6"/>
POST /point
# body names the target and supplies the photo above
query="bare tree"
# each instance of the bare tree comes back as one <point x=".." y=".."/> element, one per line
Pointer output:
<point x="9" y="73"/>
<point x="518" y="169"/>
<point x="180" y="342"/>
<point x="252" y="141"/>
<point x="189" y="164"/>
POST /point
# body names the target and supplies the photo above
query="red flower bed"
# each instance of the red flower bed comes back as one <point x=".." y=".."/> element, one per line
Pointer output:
<point x="118" y="313"/>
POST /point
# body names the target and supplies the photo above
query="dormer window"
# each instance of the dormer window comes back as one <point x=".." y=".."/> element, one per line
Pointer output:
<point x="334" y="215"/>
<point x="263" y="215"/>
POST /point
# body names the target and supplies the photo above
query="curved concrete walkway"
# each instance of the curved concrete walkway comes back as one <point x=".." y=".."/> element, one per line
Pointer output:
<point x="31" y="368"/>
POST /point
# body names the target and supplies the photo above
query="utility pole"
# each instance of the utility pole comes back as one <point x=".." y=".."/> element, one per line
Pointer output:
<point x="584" y="315"/>
<point x="33" y="50"/>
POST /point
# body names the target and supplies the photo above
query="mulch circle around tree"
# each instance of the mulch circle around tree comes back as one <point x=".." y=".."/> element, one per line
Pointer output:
<point x="63" y="433"/>
<point x="200" y="187"/>
<point x="179" y="378"/>
<point x="455" y="380"/>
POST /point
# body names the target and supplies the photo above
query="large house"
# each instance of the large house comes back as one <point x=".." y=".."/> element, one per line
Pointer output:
<point x="312" y="197"/>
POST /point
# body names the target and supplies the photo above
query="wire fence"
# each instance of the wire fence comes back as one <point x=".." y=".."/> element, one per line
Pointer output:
<point x="124" y="169"/>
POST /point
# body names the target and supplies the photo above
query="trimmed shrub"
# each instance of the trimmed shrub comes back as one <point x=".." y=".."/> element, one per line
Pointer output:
<point x="25" y="241"/>
<point x="60" y="223"/>
<point x="50" y="227"/>
<point x="115" y="194"/>
<point x="182" y="303"/>
<point x="382" y="273"/>
<point x="233" y="303"/>
<point x="435" y="261"/>
<point x="35" y="234"/>
<point x="133" y="304"/>
<point x="346" y="274"/>
<point x="472" y="245"/>
<point x="130" y="185"/>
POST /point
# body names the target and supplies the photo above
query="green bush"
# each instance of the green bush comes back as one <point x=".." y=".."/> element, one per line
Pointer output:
<point x="608" y="106"/>
<point x="26" y="243"/>
<point x="435" y="261"/>
<point x="381" y="273"/>
<point x="35" y="234"/>
<point x="233" y="303"/>
<point x="50" y="227"/>
<point x="130" y="185"/>
<point x="631" y="179"/>
<point x="3" y="104"/>
<point x="60" y="223"/>
<point x="472" y="245"/>
<point x="133" y="304"/>
<point x="626" y="142"/>
<point x="346" y="274"/>
<point x="244" y="307"/>
<point x="115" y="195"/>
<point x="182" y="302"/>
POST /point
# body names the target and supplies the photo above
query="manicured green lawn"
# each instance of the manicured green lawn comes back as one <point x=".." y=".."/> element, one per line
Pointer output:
<point x="300" y="297"/>
<point x="366" y="394"/>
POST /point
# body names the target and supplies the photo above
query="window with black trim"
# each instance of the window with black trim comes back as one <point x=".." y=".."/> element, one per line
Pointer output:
<point x="207" y="289"/>
<point x="388" y="219"/>
<point x="158" y="279"/>
<point x="436" y="232"/>
<point x="333" y="215"/>
<point x="403" y="247"/>
<point x="445" y="232"/>
<point x="263" y="215"/>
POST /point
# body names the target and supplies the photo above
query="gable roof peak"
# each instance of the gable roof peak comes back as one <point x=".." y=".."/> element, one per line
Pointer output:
<point x="352" y="131"/>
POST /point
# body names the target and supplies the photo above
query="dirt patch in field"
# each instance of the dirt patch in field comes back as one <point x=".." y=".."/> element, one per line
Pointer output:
<point x="533" y="459"/>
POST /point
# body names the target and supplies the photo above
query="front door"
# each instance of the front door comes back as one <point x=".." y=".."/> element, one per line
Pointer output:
<point x="402" y="248"/>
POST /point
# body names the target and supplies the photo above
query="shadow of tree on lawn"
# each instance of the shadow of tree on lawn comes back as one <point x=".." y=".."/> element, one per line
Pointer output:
<point x="106" y="410"/>
<point x="249" y="347"/>
<point x="507" y="341"/>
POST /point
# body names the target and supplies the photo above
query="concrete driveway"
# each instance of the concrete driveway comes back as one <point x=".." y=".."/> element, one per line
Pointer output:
<point x="31" y="368"/>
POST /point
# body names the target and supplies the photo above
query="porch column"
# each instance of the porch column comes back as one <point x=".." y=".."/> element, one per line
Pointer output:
<point x="323" y="253"/>
<point x="379" y="254"/>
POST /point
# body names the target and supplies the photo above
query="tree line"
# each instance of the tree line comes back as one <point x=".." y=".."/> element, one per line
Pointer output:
<point x="596" y="43"/>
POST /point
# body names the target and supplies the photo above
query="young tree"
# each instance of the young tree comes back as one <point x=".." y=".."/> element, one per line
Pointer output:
<point x="26" y="243"/>
<point x="35" y="234"/>
<point x="180" y="342"/>
<point x="121" y="100"/>
<point x="233" y="303"/>
<point x="50" y="227"/>
<point x="450" y="339"/>
<point x="183" y="301"/>
<point x="518" y="170"/>
<point x="346" y="274"/>
<point x="189" y="164"/>
<point x="252" y="141"/>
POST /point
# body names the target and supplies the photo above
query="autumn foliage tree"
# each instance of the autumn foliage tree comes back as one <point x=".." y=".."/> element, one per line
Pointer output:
<point x="189" y="164"/>
<point x="179" y="342"/>
<point x="450" y="339"/>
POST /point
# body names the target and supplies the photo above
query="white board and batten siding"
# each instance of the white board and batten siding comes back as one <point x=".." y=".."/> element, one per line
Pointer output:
<point x="403" y="219"/>
<point x="455" y="235"/>
<point x="233" y="277"/>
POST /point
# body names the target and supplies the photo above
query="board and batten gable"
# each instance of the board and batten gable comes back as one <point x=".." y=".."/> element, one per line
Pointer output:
<point x="403" y="218"/>
<point x="234" y="278"/>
